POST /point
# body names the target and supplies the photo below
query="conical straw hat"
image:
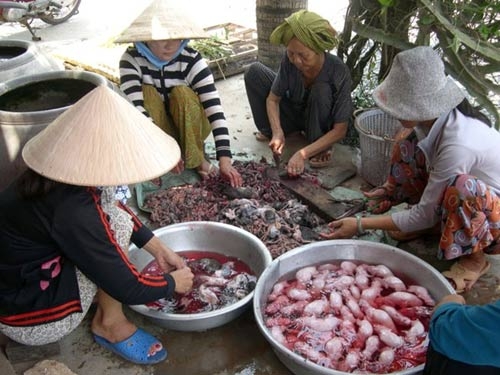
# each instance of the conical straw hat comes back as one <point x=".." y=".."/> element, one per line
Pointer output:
<point x="161" y="20"/>
<point x="101" y="140"/>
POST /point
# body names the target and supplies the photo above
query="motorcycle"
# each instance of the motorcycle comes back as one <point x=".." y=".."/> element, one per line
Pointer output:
<point x="52" y="12"/>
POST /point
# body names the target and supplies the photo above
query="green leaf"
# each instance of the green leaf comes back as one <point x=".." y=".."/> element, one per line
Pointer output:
<point x="386" y="3"/>
<point x="455" y="44"/>
<point x="427" y="20"/>
<point x="480" y="46"/>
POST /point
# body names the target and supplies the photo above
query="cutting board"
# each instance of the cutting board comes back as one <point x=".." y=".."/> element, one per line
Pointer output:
<point x="310" y="193"/>
<point x="317" y="198"/>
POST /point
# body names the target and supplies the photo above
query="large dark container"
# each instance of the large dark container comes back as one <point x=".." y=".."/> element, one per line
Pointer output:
<point x="20" y="58"/>
<point x="28" y="104"/>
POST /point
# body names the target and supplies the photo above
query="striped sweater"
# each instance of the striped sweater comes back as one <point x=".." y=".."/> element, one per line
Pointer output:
<point x="188" y="69"/>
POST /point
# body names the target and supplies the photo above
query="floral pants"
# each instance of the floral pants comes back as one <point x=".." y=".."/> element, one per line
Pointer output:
<point x="470" y="218"/>
<point x="470" y="210"/>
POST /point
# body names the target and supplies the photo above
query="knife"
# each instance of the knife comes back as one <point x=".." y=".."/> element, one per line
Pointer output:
<point x="353" y="210"/>
<point x="277" y="160"/>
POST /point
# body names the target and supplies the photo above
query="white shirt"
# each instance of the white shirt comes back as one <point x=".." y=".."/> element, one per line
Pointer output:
<point x="455" y="145"/>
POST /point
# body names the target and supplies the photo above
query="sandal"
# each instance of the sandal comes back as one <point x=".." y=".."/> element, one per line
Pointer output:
<point x="141" y="348"/>
<point x="261" y="137"/>
<point x="464" y="278"/>
<point x="321" y="160"/>
<point x="380" y="203"/>
<point x="212" y="172"/>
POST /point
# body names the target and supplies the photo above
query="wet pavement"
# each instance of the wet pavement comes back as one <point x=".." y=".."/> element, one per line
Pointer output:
<point x="237" y="348"/>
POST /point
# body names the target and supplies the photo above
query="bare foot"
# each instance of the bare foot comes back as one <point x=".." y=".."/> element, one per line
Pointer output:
<point x="473" y="262"/>
<point x="156" y="181"/>
<point x="469" y="268"/>
<point x="113" y="331"/>
<point x="323" y="159"/>
<point x="261" y="137"/>
<point x="376" y="192"/>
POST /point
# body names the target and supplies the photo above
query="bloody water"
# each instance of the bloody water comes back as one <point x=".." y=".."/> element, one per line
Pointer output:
<point x="221" y="270"/>
<point x="193" y="255"/>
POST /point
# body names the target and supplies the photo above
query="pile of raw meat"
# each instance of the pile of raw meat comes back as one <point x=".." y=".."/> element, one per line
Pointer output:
<point x="219" y="281"/>
<point x="351" y="317"/>
<point x="263" y="207"/>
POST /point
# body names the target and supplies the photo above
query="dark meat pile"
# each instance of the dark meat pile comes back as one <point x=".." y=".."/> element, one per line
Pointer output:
<point x="262" y="207"/>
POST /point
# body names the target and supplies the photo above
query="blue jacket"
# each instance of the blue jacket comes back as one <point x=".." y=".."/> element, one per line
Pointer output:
<point x="468" y="334"/>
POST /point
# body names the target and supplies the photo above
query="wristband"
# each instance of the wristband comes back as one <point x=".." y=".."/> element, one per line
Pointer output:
<point x="361" y="231"/>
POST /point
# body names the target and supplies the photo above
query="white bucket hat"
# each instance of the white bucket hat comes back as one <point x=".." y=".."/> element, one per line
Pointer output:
<point x="101" y="140"/>
<point x="417" y="88"/>
<point x="161" y="20"/>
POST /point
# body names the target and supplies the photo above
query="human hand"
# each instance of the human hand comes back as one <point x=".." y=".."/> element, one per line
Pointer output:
<point x="166" y="258"/>
<point x="296" y="164"/>
<point x="230" y="173"/>
<point x="169" y="260"/>
<point x="183" y="279"/>
<point x="344" y="228"/>
<point x="277" y="143"/>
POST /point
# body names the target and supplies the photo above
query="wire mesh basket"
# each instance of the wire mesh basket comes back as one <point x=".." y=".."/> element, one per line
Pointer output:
<point x="377" y="130"/>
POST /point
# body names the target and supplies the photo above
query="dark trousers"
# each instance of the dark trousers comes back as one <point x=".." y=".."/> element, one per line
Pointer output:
<point x="309" y="114"/>
<point x="438" y="364"/>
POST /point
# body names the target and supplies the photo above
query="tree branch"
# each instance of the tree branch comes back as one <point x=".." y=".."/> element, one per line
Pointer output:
<point x="378" y="35"/>
<point x="479" y="46"/>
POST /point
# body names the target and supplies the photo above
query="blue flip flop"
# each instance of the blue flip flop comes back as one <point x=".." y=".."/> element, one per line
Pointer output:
<point x="136" y="348"/>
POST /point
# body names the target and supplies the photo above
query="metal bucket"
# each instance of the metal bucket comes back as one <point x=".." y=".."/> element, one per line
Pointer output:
<point x="285" y="267"/>
<point x="205" y="236"/>
<point x="19" y="58"/>
<point x="28" y="104"/>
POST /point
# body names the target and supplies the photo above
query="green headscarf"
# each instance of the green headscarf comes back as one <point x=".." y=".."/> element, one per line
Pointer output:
<point x="310" y="28"/>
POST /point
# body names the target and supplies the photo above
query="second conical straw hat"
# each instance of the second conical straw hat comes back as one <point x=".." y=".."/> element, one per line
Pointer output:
<point x="101" y="140"/>
<point x="161" y="20"/>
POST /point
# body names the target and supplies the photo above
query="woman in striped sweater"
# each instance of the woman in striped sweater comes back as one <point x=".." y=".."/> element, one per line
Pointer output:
<point x="172" y="84"/>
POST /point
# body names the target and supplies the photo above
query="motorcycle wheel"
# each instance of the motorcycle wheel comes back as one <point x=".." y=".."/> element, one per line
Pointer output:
<point x="55" y="15"/>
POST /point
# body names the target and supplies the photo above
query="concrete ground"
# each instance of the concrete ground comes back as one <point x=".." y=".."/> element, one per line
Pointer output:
<point x="237" y="348"/>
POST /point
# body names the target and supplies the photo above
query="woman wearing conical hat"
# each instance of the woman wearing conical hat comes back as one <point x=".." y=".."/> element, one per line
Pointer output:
<point x="310" y="93"/>
<point x="64" y="237"/>
<point x="171" y="83"/>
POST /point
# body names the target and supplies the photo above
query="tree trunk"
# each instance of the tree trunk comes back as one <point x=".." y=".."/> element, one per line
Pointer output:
<point x="269" y="14"/>
<point x="394" y="21"/>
